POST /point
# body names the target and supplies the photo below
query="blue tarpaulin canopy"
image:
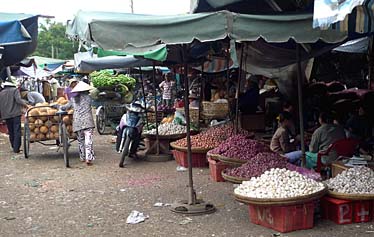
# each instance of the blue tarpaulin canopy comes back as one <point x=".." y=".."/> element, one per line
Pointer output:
<point x="13" y="31"/>
<point x="18" y="37"/>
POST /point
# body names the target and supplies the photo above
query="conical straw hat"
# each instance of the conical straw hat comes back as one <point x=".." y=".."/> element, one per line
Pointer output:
<point x="82" y="86"/>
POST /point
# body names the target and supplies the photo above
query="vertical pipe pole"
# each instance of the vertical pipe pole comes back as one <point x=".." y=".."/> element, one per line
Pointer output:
<point x="191" y="191"/>
<point x="155" y="96"/>
<point x="300" y="96"/>
<point x="238" y="91"/>
<point x="144" y="99"/>
<point x="370" y="61"/>
<point x="228" y="70"/>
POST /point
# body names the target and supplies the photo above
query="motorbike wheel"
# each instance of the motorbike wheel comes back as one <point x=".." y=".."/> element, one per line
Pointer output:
<point x="125" y="152"/>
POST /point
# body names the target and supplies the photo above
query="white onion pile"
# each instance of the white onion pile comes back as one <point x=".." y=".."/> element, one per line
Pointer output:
<point x="356" y="180"/>
<point x="278" y="183"/>
<point x="167" y="129"/>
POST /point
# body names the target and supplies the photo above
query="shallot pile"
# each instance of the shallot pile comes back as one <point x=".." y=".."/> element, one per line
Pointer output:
<point x="258" y="165"/>
<point x="356" y="180"/>
<point x="168" y="129"/>
<point x="278" y="183"/>
<point x="210" y="138"/>
<point x="239" y="147"/>
<point x="304" y="171"/>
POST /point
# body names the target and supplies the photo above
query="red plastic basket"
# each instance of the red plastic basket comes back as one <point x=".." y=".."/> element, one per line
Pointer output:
<point x="337" y="210"/>
<point x="198" y="159"/>
<point x="362" y="211"/>
<point x="216" y="168"/>
<point x="283" y="218"/>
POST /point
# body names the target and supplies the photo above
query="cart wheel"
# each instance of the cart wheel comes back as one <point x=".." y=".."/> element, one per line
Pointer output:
<point x="65" y="143"/>
<point x="26" y="140"/>
<point x="100" y="120"/>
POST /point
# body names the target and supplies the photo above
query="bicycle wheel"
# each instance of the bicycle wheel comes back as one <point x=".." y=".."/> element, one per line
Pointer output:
<point x="100" y="120"/>
<point x="65" y="144"/>
<point x="26" y="140"/>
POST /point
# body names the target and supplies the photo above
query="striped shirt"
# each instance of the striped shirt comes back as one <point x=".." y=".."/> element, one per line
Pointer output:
<point x="166" y="87"/>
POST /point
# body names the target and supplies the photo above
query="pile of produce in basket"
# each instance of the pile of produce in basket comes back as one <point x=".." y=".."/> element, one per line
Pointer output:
<point x="305" y="171"/>
<point x="279" y="183"/>
<point x="167" y="129"/>
<point x="119" y="84"/>
<point x="211" y="138"/>
<point x="258" y="165"/>
<point x="239" y="147"/>
<point x="43" y="121"/>
<point x="356" y="180"/>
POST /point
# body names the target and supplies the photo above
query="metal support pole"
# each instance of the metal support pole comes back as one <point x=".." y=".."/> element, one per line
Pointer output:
<point x="300" y="95"/>
<point x="228" y="71"/>
<point x="155" y="95"/>
<point x="238" y="90"/>
<point x="191" y="191"/>
<point x="144" y="99"/>
<point x="370" y="62"/>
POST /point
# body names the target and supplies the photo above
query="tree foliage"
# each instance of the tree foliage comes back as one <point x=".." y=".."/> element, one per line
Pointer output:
<point x="52" y="35"/>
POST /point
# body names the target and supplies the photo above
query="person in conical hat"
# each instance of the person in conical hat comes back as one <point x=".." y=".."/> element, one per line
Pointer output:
<point x="83" y="122"/>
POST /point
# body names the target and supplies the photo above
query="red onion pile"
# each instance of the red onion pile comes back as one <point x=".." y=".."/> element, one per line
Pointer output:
<point x="239" y="147"/>
<point x="211" y="138"/>
<point x="258" y="165"/>
<point x="305" y="172"/>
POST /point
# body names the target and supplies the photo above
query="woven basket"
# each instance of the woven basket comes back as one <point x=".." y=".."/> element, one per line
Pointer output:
<point x="193" y="149"/>
<point x="232" y="179"/>
<point x="281" y="201"/>
<point x="151" y="116"/>
<point x="232" y="161"/>
<point x="353" y="197"/>
<point x="213" y="110"/>
<point x="194" y="114"/>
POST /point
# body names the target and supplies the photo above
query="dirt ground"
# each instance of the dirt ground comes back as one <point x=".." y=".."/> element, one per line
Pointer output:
<point x="40" y="197"/>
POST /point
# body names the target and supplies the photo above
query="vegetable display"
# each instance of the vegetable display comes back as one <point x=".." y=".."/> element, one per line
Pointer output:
<point x="239" y="147"/>
<point x="115" y="86"/>
<point x="211" y="137"/>
<point x="168" y="129"/>
<point x="258" y="165"/>
<point x="279" y="183"/>
<point x="356" y="180"/>
<point x="104" y="78"/>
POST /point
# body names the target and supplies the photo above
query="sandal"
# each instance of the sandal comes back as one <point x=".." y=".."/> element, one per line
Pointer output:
<point x="89" y="163"/>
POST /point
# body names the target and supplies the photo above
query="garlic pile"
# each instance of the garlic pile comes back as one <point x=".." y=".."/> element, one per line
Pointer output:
<point x="278" y="183"/>
<point x="356" y="180"/>
<point x="168" y="129"/>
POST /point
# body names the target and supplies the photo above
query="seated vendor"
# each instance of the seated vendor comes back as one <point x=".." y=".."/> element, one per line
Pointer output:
<point x="32" y="97"/>
<point x="282" y="141"/>
<point x="249" y="101"/>
<point x="326" y="134"/>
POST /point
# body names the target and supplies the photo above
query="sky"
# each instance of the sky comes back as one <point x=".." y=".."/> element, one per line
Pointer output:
<point x="64" y="10"/>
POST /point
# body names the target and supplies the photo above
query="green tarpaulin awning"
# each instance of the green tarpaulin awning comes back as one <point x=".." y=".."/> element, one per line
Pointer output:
<point x="142" y="34"/>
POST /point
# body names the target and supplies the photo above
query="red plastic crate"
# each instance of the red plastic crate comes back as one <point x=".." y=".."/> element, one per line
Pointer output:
<point x="198" y="159"/>
<point x="216" y="168"/>
<point x="337" y="210"/>
<point x="362" y="211"/>
<point x="283" y="218"/>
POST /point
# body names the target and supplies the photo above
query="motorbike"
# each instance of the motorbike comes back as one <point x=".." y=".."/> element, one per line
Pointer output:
<point x="129" y="132"/>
